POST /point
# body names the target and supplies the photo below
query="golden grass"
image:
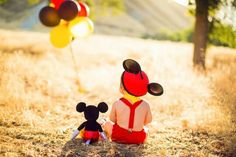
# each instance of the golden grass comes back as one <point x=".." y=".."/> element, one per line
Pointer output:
<point x="39" y="92"/>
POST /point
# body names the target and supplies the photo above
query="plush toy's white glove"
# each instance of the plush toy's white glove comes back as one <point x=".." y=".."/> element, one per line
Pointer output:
<point x="75" y="133"/>
<point x="103" y="135"/>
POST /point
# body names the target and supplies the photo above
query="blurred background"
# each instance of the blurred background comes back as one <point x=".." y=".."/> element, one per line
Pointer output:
<point x="162" y="20"/>
<point x="188" y="46"/>
<point x="118" y="17"/>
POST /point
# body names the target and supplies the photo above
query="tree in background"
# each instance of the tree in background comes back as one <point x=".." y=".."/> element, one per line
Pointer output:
<point x="206" y="23"/>
<point x="200" y="32"/>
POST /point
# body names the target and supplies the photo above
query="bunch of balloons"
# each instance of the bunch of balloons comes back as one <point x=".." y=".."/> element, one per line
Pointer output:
<point x="69" y="19"/>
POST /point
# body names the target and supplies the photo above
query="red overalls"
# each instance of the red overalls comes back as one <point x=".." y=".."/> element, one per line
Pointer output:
<point x="122" y="135"/>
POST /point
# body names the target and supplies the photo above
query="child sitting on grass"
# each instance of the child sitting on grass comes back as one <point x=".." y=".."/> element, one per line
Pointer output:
<point x="130" y="113"/>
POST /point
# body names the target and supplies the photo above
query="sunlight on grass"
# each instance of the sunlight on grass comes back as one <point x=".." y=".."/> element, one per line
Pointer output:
<point x="39" y="94"/>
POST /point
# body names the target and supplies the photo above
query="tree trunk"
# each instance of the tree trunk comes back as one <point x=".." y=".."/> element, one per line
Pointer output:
<point x="200" y="33"/>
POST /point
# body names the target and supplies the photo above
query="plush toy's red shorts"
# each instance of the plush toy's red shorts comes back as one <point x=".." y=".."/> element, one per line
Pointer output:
<point x="91" y="135"/>
<point x="122" y="135"/>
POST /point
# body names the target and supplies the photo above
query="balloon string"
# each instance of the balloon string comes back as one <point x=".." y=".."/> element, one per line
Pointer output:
<point x="74" y="61"/>
<point x="75" y="66"/>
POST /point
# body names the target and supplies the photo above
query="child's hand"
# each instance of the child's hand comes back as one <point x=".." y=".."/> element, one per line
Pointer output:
<point x="103" y="135"/>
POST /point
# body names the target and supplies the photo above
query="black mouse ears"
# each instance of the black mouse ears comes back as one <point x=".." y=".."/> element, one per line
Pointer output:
<point x="102" y="107"/>
<point x="131" y="66"/>
<point x="81" y="107"/>
<point x="155" y="89"/>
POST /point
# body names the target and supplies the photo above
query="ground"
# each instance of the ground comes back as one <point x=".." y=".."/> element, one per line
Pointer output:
<point x="39" y="89"/>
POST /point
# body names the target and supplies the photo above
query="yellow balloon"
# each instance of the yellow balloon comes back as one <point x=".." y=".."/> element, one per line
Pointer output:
<point x="60" y="36"/>
<point x="81" y="27"/>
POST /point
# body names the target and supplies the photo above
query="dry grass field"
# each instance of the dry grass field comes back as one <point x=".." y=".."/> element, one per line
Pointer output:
<point x="196" y="115"/>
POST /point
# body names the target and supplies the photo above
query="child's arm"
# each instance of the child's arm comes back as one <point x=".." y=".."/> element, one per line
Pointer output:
<point x="148" y="117"/>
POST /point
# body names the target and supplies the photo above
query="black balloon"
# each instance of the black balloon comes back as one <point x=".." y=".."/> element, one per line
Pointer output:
<point x="49" y="16"/>
<point x="68" y="10"/>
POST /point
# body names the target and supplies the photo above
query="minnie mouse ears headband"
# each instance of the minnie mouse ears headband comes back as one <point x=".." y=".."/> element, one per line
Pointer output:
<point x="136" y="82"/>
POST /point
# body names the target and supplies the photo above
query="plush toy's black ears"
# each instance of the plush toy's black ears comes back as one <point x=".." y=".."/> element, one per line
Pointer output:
<point x="80" y="107"/>
<point x="155" y="89"/>
<point x="131" y="66"/>
<point x="102" y="107"/>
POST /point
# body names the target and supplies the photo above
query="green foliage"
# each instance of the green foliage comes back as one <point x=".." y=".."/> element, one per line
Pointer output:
<point x="219" y="33"/>
<point x="115" y="5"/>
<point x="106" y="7"/>
<point x="2" y="1"/>
<point x="184" y="35"/>
<point x="103" y="7"/>
<point x="223" y="35"/>
<point x="33" y="2"/>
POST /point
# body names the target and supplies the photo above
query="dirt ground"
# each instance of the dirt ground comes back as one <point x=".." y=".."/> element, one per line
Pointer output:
<point x="39" y="89"/>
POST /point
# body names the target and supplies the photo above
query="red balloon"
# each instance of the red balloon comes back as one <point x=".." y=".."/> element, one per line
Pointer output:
<point x="57" y="3"/>
<point x="84" y="11"/>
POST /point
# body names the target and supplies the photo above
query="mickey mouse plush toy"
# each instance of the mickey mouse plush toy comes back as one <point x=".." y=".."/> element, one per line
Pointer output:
<point x="91" y="126"/>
